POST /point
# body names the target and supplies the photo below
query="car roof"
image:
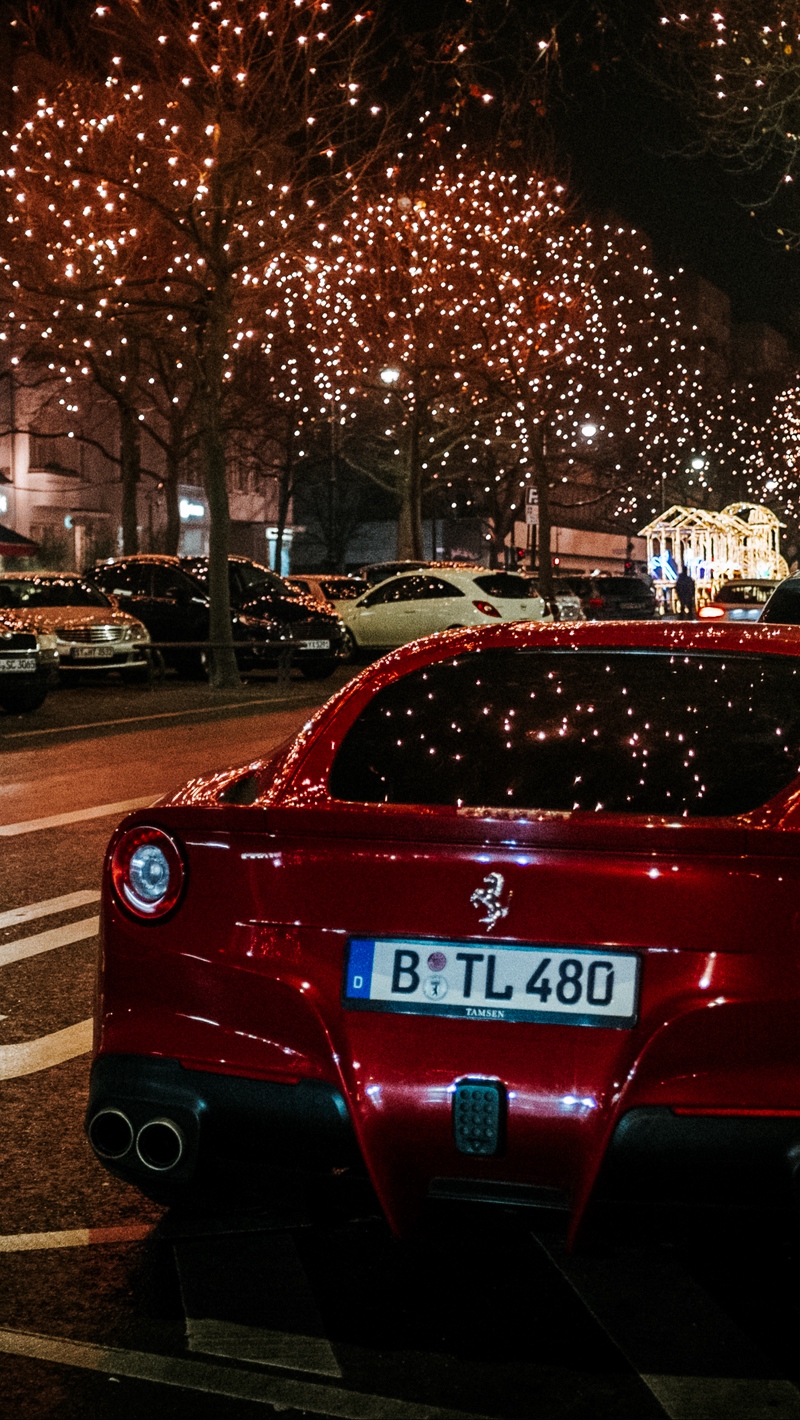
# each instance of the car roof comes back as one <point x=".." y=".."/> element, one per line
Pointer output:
<point x="20" y="576"/>
<point x="450" y="573"/>
<point x="728" y="637"/>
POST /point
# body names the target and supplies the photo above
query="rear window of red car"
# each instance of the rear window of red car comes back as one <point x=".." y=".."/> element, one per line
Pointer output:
<point x="623" y="731"/>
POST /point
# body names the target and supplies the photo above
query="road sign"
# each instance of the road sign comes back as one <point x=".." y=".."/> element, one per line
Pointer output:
<point x="531" y="506"/>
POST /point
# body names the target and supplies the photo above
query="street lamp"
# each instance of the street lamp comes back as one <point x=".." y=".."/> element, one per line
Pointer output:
<point x="588" y="430"/>
<point x="390" y="375"/>
<point x="698" y="463"/>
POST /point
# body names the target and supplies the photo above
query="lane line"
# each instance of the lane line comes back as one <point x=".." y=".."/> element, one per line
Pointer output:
<point x="161" y="715"/>
<point x="16" y="915"/>
<point x="29" y="1056"/>
<point x="692" y="1357"/>
<point x="33" y="825"/>
<point x="281" y="1392"/>
<point x="724" y="1397"/>
<point x="47" y="941"/>
<point x="284" y="1326"/>
<point x="74" y="1237"/>
<point x="283" y="1349"/>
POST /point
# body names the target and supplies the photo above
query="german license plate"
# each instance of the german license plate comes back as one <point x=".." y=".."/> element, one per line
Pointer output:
<point x="315" y="645"/>
<point x="17" y="664"/>
<point x="92" y="653"/>
<point x="561" y="985"/>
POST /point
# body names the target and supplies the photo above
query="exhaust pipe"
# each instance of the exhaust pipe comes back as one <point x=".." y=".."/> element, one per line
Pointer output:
<point x="160" y="1145"/>
<point x="111" y="1134"/>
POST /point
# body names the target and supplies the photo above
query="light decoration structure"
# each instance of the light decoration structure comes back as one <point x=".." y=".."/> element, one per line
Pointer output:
<point x="743" y="540"/>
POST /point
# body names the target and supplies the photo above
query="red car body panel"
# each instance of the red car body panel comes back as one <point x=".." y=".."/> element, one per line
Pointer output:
<point x="245" y="978"/>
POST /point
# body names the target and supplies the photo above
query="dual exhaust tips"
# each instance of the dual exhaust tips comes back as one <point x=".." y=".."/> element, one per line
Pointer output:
<point x="159" y="1144"/>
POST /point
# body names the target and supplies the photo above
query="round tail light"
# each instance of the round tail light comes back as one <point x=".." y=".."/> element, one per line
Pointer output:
<point x="711" y="612"/>
<point x="147" y="872"/>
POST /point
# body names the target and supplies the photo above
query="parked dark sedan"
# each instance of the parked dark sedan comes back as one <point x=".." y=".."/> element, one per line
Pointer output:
<point x="605" y="597"/>
<point x="784" y="604"/>
<point x="28" y="664"/>
<point x="170" y="595"/>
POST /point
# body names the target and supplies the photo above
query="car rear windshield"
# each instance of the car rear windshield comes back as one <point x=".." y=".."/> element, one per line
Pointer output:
<point x="622" y="731"/>
<point x="744" y="594"/>
<point x="33" y="593"/>
<point x="341" y="589"/>
<point x="505" y="585"/>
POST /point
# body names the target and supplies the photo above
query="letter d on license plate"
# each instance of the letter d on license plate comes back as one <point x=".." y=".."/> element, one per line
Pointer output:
<point x="581" y="986"/>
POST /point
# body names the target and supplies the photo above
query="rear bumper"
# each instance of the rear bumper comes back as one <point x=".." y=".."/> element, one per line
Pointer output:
<point x="221" y="1119"/>
<point x="665" y="1156"/>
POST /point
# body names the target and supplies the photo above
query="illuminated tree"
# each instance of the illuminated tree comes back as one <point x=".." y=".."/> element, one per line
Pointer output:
<point x="735" y="67"/>
<point x="210" y="141"/>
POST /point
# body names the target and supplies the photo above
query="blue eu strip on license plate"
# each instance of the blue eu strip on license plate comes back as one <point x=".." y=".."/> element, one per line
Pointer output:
<point x="580" y="986"/>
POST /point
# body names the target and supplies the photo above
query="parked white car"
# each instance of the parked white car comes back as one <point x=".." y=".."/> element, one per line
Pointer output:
<point x="419" y="603"/>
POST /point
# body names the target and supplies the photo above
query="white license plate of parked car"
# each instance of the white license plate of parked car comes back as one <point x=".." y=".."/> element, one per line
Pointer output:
<point x="92" y="653"/>
<point x="481" y="981"/>
<point x="315" y="645"/>
<point x="17" y="663"/>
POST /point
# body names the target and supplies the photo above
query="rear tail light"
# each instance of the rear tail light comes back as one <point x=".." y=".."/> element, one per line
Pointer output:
<point x="711" y="612"/>
<point x="596" y="602"/>
<point x="487" y="609"/>
<point x="147" y="872"/>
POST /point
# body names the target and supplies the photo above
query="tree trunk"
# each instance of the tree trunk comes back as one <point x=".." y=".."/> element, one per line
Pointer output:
<point x="285" y="481"/>
<point x="409" y="522"/>
<point x="224" y="670"/>
<point x="130" y="469"/>
<point x="545" y="523"/>
<point x="172" y="532"/>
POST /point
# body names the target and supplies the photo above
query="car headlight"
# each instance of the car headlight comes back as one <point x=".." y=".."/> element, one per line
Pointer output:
<point x="47" y="641"/>
<point x="136" y="633"/>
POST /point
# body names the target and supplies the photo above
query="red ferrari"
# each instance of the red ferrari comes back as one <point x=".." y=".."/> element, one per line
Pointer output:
<point x="516" y="917"/>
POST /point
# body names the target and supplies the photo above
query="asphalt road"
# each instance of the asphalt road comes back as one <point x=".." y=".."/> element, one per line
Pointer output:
<point x="111" y="1308"/>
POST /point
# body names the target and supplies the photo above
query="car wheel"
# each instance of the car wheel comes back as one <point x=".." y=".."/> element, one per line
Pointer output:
<point x="23" y="702"/>
<point x="317" y="670"/>
<point x="349" y="645"/>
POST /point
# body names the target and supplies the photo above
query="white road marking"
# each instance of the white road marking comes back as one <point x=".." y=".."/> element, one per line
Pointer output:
<point x="16" y="915"/>
<point x="313" y="1354"/>
<point x="33" y="825"/>
<point x="724" y="1397"/>
<point x="31" y="1055"/>
<point x="690" y="1355"/>
<point x="46" y="941"/>
<point x="281" y="1392"/>
<point x="73" y="1237"/>
<point x="284" y="1326"/>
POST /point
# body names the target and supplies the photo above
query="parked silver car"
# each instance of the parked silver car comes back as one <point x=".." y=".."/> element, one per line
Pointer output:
<point x="91" y="632"/>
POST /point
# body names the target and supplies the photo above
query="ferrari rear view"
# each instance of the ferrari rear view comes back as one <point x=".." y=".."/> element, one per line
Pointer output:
<point x="514" y="919"/>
